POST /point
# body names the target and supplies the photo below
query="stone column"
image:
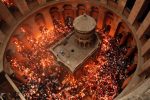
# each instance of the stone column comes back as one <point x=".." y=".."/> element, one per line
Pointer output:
<point x="22" y="5"/>
<point x="114" y="26"/>
<point x="6" y="15"/>
<point x="121" y="5"/>
<point x="48" y="19"/>
<point x="144" y="26"/>
<point x="101" y="18"/>
<point x="41" y="2"/>
<point x="135" y="10"/>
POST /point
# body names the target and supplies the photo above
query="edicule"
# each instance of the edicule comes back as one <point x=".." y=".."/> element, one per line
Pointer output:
<point x="79" y="45"/>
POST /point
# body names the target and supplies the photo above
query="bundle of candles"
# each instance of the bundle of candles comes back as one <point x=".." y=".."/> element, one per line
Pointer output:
<point x="99" y="78"/>
<point x="8" y="3"/>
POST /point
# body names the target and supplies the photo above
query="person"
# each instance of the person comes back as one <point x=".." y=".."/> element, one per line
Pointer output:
<point x="62" y="53"/>
<point x="107" y="28"/>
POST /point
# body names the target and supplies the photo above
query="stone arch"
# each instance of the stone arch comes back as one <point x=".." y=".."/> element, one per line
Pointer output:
<point x="39" y="19"/>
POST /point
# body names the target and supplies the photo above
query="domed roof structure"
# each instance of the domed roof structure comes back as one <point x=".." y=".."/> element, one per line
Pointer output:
<point x="84" y="23"/>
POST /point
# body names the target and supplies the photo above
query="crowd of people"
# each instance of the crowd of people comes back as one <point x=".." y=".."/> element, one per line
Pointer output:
<point x="99" y="78"/>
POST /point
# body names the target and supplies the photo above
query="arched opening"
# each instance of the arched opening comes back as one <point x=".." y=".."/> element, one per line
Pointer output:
<point x="54" y="13"/>
<point x="68" y="15"/>
<point x="81" y="9"/>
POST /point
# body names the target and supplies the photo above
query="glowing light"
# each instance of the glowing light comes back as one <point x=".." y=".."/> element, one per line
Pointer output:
<point x="45" y="79"/>
<point x="8" y="3"/>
